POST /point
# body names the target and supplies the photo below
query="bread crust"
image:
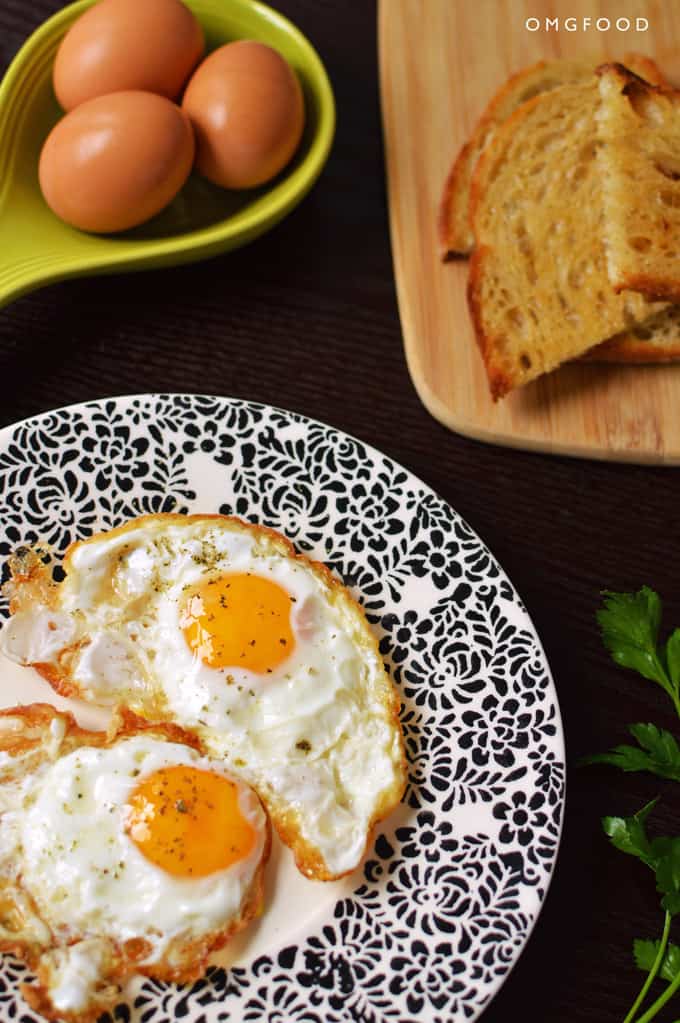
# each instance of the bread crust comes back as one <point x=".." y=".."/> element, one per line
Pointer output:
<point x="653" y="288"/>
<point x="633" y="151"/>
<point x="502" y="379"/>
<point x="500" y="382"/>
<point x="454" y="221"/>
<point x="633" y="352"/>
<point x="456" y="236"/>
<point x="190" y="958"/>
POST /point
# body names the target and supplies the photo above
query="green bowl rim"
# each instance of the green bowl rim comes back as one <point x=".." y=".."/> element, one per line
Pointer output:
<point x="283" y="196"/>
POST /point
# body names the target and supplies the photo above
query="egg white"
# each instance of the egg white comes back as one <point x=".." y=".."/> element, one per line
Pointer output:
<point x="86" y="874"/>
<point x="80" y="884"/>
<point x="317" y="736"/>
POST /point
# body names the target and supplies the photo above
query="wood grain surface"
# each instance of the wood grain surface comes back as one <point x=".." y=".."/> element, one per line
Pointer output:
<point x="440" y="63"/>
<point x="307" y="318"/>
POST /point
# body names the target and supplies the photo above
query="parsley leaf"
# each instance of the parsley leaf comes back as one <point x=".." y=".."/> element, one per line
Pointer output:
<point x="673" y="657"/>
<point x="628" y="834"/>
<point x="630" y="628"/>
<point x="666" y="859"/>
<point x="662" y="855"/>
<point x="659" y="752"/>
<point x="645" y="953"/>
<point x="630" y="625"/>
<point x="630" y="631"/>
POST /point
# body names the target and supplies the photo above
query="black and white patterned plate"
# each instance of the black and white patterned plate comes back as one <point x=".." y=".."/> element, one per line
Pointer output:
<point x="453" y="883"/>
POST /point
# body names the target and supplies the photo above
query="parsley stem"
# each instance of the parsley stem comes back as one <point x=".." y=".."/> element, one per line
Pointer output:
<point x="676" y="702"/>
<point x="661" y="1000"/>
<point x="665" y="682"/>
<point x="656" y="965"/>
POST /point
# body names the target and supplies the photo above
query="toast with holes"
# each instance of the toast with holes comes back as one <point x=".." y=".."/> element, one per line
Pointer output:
<point x="638" y="128"/>
<point x="539" y="292"/>
<point x="656" y="340"/>
<point x="454" y="224"/>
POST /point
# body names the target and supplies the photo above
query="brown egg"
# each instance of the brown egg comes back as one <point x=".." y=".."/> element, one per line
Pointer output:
<point x="152" y="45"/>
<point x="246" y="106"/>
<point x="116" y="161"/>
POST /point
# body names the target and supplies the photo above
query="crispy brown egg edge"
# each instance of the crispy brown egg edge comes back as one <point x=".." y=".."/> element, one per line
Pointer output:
<point x="31" y="580"/>
<point x="190" y="960"/>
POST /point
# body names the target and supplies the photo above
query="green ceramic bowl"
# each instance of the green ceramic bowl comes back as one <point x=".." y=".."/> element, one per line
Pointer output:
<point x="36" y="248"/>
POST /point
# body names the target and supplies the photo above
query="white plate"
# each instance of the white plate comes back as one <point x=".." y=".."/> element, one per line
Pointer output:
<point x="428" y="928"/>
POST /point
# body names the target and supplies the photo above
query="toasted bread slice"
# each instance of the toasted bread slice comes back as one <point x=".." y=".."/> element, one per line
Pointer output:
<point x="539" y="292"/>
<point x="638" y="128"/>
<point x="656" y="340"/>
<point x="454" y="225"/>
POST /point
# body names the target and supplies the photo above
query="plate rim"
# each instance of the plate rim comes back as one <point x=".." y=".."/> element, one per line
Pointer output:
<point x="157" y="396"/>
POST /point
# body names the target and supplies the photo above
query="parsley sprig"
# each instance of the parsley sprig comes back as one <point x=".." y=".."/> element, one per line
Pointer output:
<point x="630" y="631"/>
<point x="630" y="624"/>
<point x="662" y="855"/>
<point x="657" y="752"/>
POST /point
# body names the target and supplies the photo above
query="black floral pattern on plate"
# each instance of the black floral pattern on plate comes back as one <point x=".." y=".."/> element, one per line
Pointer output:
<point x="450" y="889"/>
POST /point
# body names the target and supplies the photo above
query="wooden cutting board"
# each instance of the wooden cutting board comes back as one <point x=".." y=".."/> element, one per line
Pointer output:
<point x="440" y="63"/>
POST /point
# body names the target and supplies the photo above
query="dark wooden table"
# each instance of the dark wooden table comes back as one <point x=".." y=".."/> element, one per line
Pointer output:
<point x="307" y="318"/>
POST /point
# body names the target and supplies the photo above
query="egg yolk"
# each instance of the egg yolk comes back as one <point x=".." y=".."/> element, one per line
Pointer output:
<point x="239" y="621"/>
<point x="188" y="822"/>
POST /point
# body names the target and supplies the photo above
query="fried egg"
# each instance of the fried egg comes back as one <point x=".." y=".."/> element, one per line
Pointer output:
<point x="119" y="854"/>
<point x="220" y="626"/>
